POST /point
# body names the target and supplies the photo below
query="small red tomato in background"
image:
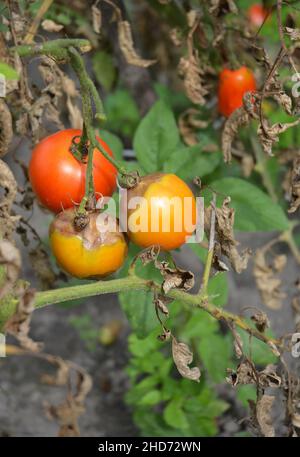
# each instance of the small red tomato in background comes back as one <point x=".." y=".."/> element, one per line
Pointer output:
<point x="233" y="84"/>
<point x="257" y="14"/>
<point x="58" y="178"/>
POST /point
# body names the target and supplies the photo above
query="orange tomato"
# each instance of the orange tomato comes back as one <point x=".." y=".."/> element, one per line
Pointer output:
<point x="58" y="178"/>
<point x="165" y="216"/>
<point x="93" y="252"/>
<point x="233" y="84"/>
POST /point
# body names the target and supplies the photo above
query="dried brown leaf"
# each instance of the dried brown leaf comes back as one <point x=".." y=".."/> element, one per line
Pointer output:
<point x="61" y="377"/>
<point x="294" y="189"/>
<point x="183" y="357"/>
<point x="6" y="129"/>
<point x="263" y="414"/>
<point x="225" y="240"/>
<point x="51" y="26"/>
<point x="189" y="124"/>
<point x="19" y="324"/>
<point x="267" y="283"/>
<point x="42" y="267"/>
<point x="9" y="185"/>
<point x="192" y="74"/>
<point x="294" y="34"/>
<point x="96" y="18"/>
<point x="10" y="259"/>
<point x="237" y="119"/>
<point x="127" y="46"/>
<point x="261" y="321"/>
<point x="175" y="278"/>
<point x="269" y="378"/>
<point x="268" y="135"/>
<point x="220" y="7"/>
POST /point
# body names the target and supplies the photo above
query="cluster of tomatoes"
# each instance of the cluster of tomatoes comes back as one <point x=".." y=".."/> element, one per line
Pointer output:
<point x="58" y="179"/>
<point x="99" y="247"/>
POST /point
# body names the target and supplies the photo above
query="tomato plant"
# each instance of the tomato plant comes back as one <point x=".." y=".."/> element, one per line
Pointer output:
<point x="58" y="178"/>
<point x="95" y="251"/>
<point x="233" y="84"/>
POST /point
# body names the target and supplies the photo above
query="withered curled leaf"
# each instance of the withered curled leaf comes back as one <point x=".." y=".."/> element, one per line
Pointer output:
<point x="183" y="357"/>
<point x="192" y="74"/>
<point x="51" y="26"/>
<point x="294" y="34"/>
<point x="244" y="374"/>
<point x="219" y="7"/>
<point x="261" y="321"/>
<point x="189" y="125"/>
<point x="10" y="259"/>
<point x="6" y="129"/>
<point x="9" y="185"/>
<point x="96" y="18"/>
<point x="127" y="46"/>
<point x="19" y="324"/>
<point x="263" y="415"/>
<point x="267" y="283"/>
<point x="295" y="186"/>
<point x="237" y="119"/>
<point x="268" y="135"/>
<point x="225" y="241"/>
<point x="175" y="278"/>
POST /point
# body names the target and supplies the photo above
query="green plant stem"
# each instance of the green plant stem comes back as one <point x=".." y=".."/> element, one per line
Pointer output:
<point x="288" y="238"/>
<point x="135" y="283"/>
<point x="211" y="246"/>
<point x="58" y="49"/>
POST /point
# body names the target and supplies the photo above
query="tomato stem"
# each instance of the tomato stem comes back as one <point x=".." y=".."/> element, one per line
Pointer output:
<point x="136" y="283"/>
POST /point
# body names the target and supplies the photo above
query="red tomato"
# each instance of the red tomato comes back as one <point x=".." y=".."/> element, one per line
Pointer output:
<point x="58" y="178"/>
<point x="257" y="14"/>
<point x="233" y="84"/>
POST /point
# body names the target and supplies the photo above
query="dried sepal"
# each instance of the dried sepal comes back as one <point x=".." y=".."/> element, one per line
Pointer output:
<point x="183" y="357"/>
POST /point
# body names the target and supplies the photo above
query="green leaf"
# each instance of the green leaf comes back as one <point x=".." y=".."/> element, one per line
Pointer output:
<point x="150" y="398"/>
<point x="104" y="69"/>
<point x="255" y="211"/>
<point x="174" y="415"/>
<point x="113" y="142"/>
<point x="245" y="393"/>
<point x="139" y="309"/>
<point x="215" y="352"/>
<point x="156" y="137"/>
<point x="188" y="162"/>
<point x="261" y="354"/>
<point x="218" y="289"/>
<point x="8" y="71"/>
<point x="122" y="112"/>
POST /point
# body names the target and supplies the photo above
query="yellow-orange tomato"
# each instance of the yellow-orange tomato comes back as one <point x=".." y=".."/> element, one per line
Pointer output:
<point x="233" y="84"/>
<point x="97" y="250"/>
<point x="166" y="214"/>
